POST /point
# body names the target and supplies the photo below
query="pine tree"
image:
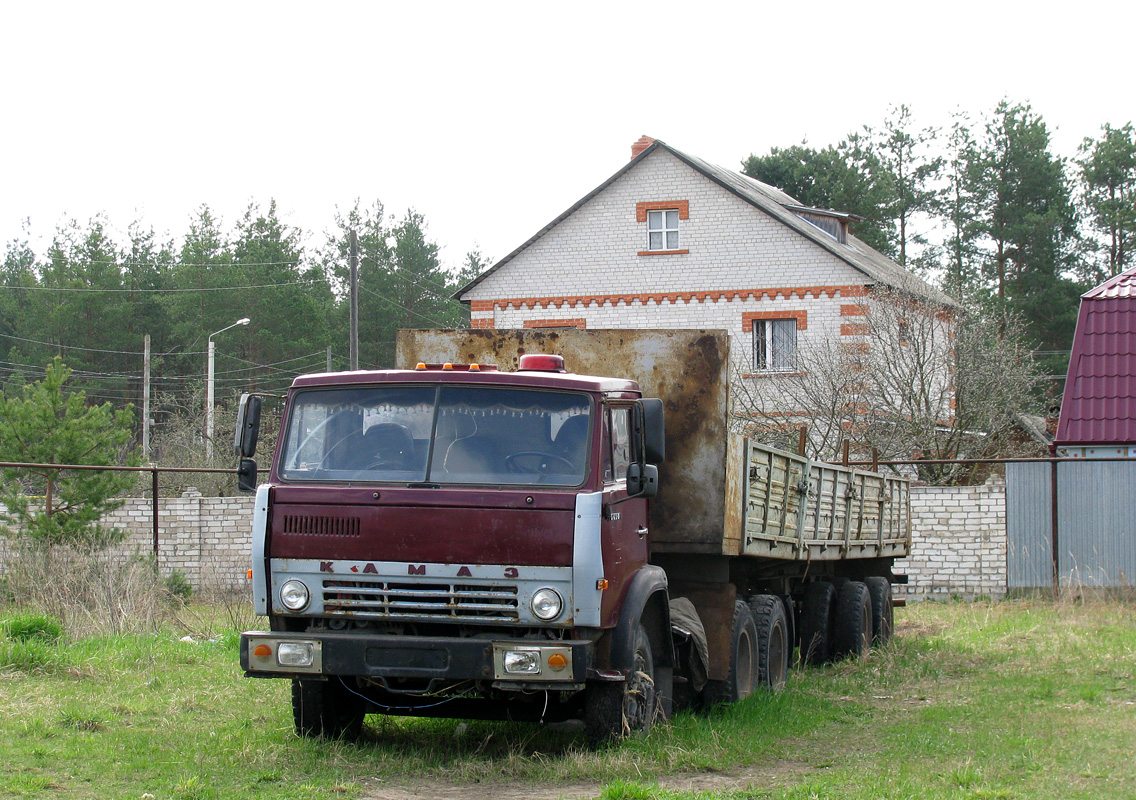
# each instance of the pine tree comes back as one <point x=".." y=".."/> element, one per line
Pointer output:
<point x="46" y="424"/>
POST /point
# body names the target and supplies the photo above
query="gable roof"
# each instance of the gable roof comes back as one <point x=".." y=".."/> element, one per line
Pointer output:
<point x="1099" y="405"/>
<point x="777" y="204"/>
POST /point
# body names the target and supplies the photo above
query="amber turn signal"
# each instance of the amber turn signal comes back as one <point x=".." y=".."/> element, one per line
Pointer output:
<point x="558" y="661"/>
<point x="262" y="651"/>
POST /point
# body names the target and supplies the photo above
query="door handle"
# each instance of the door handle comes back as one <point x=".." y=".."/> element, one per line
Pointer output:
<point x="642" y="531"/>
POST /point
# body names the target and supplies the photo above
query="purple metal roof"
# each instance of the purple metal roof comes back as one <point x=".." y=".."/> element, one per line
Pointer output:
<point x="1099" y="406"/>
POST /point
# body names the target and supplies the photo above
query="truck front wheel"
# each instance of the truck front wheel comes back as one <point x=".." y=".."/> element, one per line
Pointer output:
<point x="325" y="709"/>
<point x="614" y="710"/>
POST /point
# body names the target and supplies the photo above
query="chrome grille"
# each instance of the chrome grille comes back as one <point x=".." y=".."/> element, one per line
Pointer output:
<point x="389" y="600"/>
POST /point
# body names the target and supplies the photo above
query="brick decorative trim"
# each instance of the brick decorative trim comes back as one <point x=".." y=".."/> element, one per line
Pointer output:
<point x="859" y="347"/>
<point x="855" y="329"/>
<point x="478" y="324"/>
<point x="748" y="317"/>
<point x="852" y="311"/>
<point x="613" y="300"/>
<point x="662" y="252"/>
<point x="480" y="305"/>
<point x="580" y="323"/>
<point x="641" y="209"/>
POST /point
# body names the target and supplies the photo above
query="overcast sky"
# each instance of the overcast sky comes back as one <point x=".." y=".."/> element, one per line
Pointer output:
<point x="490" y="118"/>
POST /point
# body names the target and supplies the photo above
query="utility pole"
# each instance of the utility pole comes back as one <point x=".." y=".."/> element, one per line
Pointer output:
<point x="329" y="358"/>
<point x="354" y="260"/>
<point x="146" y="397"/>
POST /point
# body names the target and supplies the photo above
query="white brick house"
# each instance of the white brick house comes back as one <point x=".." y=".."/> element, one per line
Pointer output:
<point x="671" y="241"/>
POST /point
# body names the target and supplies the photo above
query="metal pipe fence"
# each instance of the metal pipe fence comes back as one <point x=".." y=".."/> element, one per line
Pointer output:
<point x="154" y="471"/>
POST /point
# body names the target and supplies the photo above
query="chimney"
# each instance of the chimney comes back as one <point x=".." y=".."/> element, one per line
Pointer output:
<point x="641" y="145"/>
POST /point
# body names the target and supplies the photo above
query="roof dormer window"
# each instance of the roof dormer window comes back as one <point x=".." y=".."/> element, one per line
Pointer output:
<point x="834" y="223"/>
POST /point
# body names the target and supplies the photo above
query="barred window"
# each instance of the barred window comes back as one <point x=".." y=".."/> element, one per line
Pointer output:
<point x="775" y="345"/>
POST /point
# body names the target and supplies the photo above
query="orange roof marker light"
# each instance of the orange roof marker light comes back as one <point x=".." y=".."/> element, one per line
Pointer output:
<point x="452" y="367"/>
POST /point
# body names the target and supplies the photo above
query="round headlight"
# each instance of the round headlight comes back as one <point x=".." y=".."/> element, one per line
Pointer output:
<point x="546" y="604"/>
<point x="294" y="595"/>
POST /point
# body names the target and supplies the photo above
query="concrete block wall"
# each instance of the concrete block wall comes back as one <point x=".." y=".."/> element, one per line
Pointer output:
<point x="958" y="548"/>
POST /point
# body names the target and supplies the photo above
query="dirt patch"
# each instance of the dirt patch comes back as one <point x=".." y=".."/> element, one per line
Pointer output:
<point x="773" y="774"/>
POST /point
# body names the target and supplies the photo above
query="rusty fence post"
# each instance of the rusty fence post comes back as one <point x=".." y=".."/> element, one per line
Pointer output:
<point x="1053" y="532"/>
<point x="154" y="512"/>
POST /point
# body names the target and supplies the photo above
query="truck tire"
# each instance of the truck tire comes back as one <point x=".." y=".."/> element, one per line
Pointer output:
<point x="325" y="709"/>
<point x="853" y="632"/>
<point x="773" y="640"/>
<point x="616" y="710"/>
<point x="883" y="613"/>
<point x="817" y="623"/>
<point x="743" y="661"/>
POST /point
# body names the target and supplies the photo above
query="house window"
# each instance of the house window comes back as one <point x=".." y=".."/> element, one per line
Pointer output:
<point x="775" y="345"/>
<point x="662" y="229"/>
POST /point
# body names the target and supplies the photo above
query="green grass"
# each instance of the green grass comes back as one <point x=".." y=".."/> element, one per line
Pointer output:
<point x="1020" y="699"/>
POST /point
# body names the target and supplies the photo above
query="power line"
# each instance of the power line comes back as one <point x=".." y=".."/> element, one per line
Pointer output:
<point x="400" y="308"/>
<point x="139" y="291"/>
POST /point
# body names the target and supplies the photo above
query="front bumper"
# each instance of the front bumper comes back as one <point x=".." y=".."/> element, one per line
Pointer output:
<point x="416" y="657"/>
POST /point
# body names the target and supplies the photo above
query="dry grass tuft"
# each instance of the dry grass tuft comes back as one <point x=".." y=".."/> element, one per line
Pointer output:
<point x="93" y="594"/>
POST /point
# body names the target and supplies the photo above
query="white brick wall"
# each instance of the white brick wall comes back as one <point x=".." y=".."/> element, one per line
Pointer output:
<point x="959" y="546"/>
<point x="207" y="539"/>
<point x="959" y="542"/>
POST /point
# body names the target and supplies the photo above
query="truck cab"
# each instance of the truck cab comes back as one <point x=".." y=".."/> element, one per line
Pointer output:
<point x="453" y="540"/>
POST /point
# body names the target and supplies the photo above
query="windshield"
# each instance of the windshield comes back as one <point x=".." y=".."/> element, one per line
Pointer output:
<point x="447" y="434"/>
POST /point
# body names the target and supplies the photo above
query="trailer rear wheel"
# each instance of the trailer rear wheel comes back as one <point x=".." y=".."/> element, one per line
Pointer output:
<point x="883" y="614"/>
<point x="743" y="661"/>
<point x="773" y="642"/>
<point x="614" y="710"/>
<point x="325" y="709"/>
<point x="853" y="633"/>
<point x="817" y="623"/>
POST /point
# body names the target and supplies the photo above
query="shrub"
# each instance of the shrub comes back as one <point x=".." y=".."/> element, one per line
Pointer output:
<point x="178" y="585"/>
<point x="26" y="627"/>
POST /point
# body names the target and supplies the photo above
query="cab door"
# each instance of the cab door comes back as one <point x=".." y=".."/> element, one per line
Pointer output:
<point x="624" y="523"/>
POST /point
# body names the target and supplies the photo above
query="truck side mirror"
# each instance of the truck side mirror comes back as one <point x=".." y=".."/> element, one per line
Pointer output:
<point x="246" y="475"/>
<point x="642" y="480"/>
<point x="248" y="426"/>
<point x="654" y="430"/>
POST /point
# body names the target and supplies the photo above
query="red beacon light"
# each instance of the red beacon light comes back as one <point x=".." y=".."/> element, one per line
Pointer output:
<point x="540" y="362"/>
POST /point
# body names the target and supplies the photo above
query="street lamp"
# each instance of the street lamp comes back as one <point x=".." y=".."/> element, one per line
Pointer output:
<point x="209" y="391"/>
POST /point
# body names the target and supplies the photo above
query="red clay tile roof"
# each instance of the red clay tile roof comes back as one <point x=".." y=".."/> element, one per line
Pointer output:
<point x="1099" y="406"/>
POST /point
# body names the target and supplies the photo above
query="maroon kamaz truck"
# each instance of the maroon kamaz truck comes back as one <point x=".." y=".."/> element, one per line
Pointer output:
<point x="462" y="540"/>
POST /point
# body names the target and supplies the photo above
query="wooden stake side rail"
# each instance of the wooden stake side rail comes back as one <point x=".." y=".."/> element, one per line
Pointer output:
<point x="797" y="509"/>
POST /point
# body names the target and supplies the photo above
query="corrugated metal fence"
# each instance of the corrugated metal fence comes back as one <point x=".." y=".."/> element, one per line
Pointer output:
<point x="1095" y="538"/>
